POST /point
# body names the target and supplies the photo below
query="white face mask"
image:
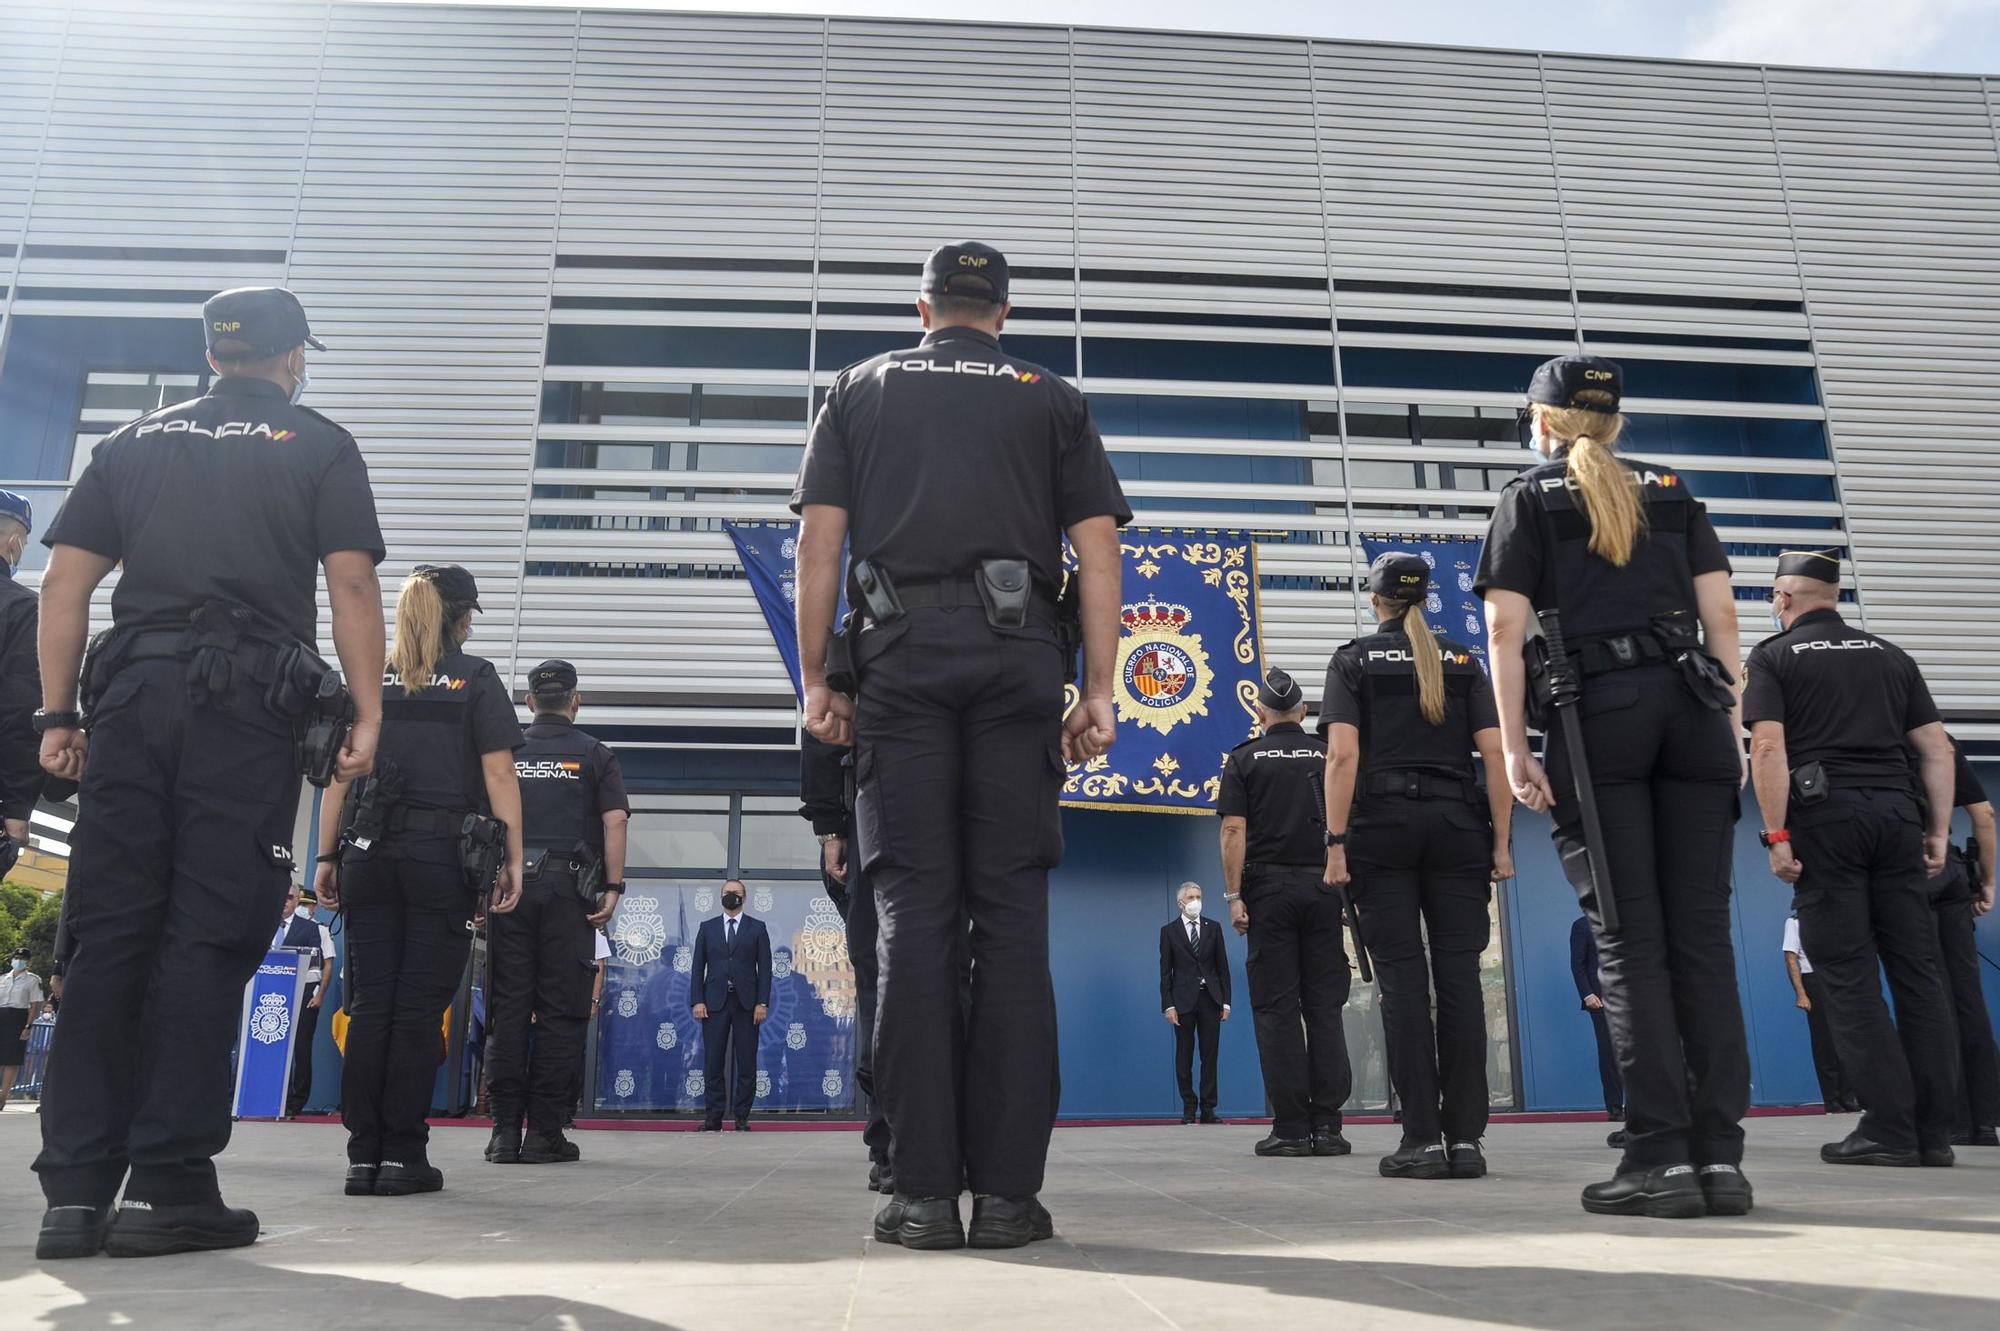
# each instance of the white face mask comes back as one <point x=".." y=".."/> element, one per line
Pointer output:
<point x="18" y="964"/>
<point x="299" y="389"/>
<point x="1192" y="909"/>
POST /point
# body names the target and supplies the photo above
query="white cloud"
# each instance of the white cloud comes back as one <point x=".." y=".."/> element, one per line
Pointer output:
<point x="1866" y="33"/>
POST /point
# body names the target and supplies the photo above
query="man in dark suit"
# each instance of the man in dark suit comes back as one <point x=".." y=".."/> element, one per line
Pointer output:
<point x="731" y="981"/>
<point x="1590" y="988"/>
<point x="1194" y="990"/>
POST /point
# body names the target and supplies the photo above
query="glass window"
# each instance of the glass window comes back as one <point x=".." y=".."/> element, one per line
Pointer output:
<point x="1508" y="372"/>
<point x="779" y="459"/>
<point x="721" y="348"/>
<point x="1232" y="362"/>
<point x="679" y="832"/>
<point x="750" y="404"/>
<point x="775" y="837"/>
<point x="112" y="398"/>
<point x="1199" y="417"/>
<point x="618" y="403"/>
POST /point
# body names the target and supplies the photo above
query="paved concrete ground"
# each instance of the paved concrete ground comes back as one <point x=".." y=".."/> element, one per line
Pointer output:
<point x="1157" y="1227"/>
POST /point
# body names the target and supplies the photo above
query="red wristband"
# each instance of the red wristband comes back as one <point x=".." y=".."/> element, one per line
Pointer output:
<point x="1778" y="837"/>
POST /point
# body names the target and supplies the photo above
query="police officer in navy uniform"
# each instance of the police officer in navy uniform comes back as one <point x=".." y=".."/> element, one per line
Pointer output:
<point x="1422" y="844"/>
<point x="1273" y="855"/>
<point x="540" y="962"/>
<point x="21" y="774"/>
<point x="958" y="468"/>
<point x="825" y="795"/>
<point x="221" y="510"/>
<point x="1833" y="713"/>
<point x="1628" y="559"/>
<point x="393" y="861"/>
<point x="1959" y="895"/>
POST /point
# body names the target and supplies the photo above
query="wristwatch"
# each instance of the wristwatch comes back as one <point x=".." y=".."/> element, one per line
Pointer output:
<point x="45" y="721"/>
<point x="825" y="837"/>
<point x="1770" y="839"/>
<point x="1232" y="896"/>
<point x="619" y="888"/>
<point x="1336" y="838"/>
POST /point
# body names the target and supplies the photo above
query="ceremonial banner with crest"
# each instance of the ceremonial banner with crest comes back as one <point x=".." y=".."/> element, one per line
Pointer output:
<point x="1185" y="677"/>
<point x="1451" y="607"/>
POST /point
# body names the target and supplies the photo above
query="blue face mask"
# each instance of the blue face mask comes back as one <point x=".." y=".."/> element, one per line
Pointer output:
<point x="18" y="964"/>
<point x="299" y="389"/>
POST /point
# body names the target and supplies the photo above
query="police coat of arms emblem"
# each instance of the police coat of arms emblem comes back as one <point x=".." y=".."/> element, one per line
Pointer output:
<point x="830" y="1085"/>
<point x="666" y="1037"/>
<point x="628" y="1003"/>
<point x="695" y="1086"/>
<point x="795" y="1035"/>
<point x="1163" y="671"/>
<point x="763" y="1084"/>
<point x="640" y="934"/>
<point x="623" y="1085"/>
<point x="271" y="1022"/>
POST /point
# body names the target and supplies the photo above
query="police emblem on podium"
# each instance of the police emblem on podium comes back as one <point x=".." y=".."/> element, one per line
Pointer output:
<point x="1163" y="671"/>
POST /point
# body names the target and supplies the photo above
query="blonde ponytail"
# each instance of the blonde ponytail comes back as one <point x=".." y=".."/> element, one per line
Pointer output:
<point x="420" y="626"/>
<point x="1610" y="500"/>
<point x="1430" y="669"/>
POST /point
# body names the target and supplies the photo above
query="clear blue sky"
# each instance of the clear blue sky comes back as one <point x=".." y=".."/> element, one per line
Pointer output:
<point x="1962" y="36"/>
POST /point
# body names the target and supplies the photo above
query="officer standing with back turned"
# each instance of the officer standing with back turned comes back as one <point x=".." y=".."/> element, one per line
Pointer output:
<point x="542" y="966"/>
<point x="1273" y="855"/>
<point x="957" y="469"/>
<point x="1859" y="834"/>
<point x="219" y="509"/>
<point x="21" y="773"/>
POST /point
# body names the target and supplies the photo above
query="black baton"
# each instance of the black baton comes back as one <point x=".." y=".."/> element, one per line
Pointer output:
<point x="1347" y="911"/>
<point x="1565" y="690"/>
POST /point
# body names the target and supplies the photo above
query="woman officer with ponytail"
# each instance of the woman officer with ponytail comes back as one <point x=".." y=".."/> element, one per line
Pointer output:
<point x="1630" y="561"/>
<point x="1402" y="713"/>
<point x="391" y="862"/>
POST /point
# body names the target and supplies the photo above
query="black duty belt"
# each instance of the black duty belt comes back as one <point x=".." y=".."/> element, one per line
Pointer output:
<point x="256" y="658"/>
<point x="1618" y="651"/>
<point x="1284" y="864"/>
<point x="426" y="818"/>
<point x="1420" y="785"/>
<point x="951" y="593"/>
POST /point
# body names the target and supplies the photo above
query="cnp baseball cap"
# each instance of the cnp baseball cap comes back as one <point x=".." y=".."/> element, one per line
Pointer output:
<point x="17" y="507"/>
<point x="1398" y="575"/>
<point x="967" y="268"/>
<point x="249" y="322"/>
<point x="1819" y="565"/>
<point x="1280" y="693"/>
<point x="454" y="584"/>
<point x="552" y="677"/>
<point x="1557" y="382"/>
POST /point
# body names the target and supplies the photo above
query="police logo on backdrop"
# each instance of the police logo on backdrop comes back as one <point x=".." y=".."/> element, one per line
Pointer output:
<point x="781" y="963"/>
<point x="1472" y="624"/>
<point x="795" y="1036"/>
<point x="1162" y="669"/>
<point x="624" y="1085"/>
<point x="763" y="1084"/>
<point x="683" y="960"/>
<point x="1433" y="602"/>
<point x="271" y="1022"/>
<point x="628" y="1003"/>
<point x="695" y="1085"/>
<point x="640" y="933"/>
<point x="1465" y="582"/>
<point x="666" y="1037"/>
<point x="704" y="900"/>
<point x="1430" y="560"/>
<point x="762" y="900"/>
<point x="823" y="942"/>
<point x="789" y="547"/>
<point x="830" y="1084"/>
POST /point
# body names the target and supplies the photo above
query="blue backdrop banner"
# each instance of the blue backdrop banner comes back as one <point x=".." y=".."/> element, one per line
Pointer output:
<point x="770" y="555"/>
<point x="649" y="1050"/>
<point x="1186" y="674"/>
<point x="1451" y="608"/>
<point x="264" y="1039"/>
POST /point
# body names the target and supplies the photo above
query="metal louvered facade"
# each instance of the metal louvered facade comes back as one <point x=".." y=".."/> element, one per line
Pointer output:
<point x="583" y="272"/>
